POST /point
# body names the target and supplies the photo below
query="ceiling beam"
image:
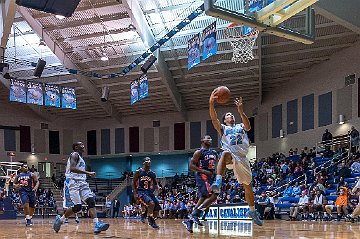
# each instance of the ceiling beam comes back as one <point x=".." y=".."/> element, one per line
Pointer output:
<point x="345" y="13"/>
<point x="85" y="82"/>
<point x="139" y="20"/>
<point x="7" y="14"/>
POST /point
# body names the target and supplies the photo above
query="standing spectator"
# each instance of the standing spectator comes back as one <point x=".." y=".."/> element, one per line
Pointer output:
<point x="354" y="136"/>
<point x="326" y="139"/>
<point x="116" y="208"/>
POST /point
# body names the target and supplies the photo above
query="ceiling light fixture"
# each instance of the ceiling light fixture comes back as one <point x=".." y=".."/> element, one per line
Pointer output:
<point x="104" y="57"/>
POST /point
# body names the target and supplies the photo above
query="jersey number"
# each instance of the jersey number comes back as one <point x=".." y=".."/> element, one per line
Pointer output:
<point x="211" y="164"/>
<point x="234" y="140"/>
<point x="146" y="184"/>
<point x="24" y="183"/>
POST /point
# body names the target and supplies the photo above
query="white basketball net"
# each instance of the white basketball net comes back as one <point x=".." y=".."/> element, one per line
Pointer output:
<point x="243" y="46"/>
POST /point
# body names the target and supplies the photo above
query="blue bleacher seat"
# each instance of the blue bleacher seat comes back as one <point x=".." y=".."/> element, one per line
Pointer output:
<point x="354" y="175"/>
<point x="331" y="198"/>
<point x="330" y="191"/>
<point x="350" y="180"/>
<point x="294" y="158"/>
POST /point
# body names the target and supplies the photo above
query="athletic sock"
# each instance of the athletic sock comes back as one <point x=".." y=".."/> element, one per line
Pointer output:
<point x="96" y="220"/>
<point x="27" y="217"/>
<point x="63" y="218"/>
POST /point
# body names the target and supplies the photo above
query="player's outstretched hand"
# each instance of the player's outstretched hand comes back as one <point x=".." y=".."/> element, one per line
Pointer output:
<point x="213" y="96"/>
<point x="92" y="174"/>
<point x="239" y="104"/>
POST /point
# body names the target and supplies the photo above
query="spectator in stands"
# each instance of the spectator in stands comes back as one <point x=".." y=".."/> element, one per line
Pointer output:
<point x="262" y="202"/>
<point x="344" y="171"/>
<point x="317" y="206"/>
<point x="302" y="206"/>
<point x="340" y="204"/>
<point x="182" y="211"/>
<point x="297" y="189"/>
<point x="288" y="192"/>
<point x="116" y="208"/>
<point x="326" y="138"/>
<point x="354" y="136"/>
<point x="49" y="194"/>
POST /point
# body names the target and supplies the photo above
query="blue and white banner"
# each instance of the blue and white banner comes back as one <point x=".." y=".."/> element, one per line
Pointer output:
<point x="35" y="93"/>
<point x="134" y="85"/>
<point x="68" y="98"/>
<point x="209" y="41"/>
<point x="194" y="51"/>
<point x="52" y="95"/>
<point x="144" y="87"/>
<point x="256" y="5"/>
<point x="227" y="212"/>
<point x="18" y="90"/>
<point x="238" y="228"/>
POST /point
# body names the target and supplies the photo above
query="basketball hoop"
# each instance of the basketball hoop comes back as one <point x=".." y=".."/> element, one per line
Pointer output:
<point x="242" y="40"/>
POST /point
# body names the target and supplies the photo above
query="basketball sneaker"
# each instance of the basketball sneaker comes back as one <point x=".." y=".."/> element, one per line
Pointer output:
<point x="100" y="227"/>
<point x="77" y="219"/>
<point x="216" y="186"/>
<point x="57" y="224"/>
<point x="28" y="222"/>
<point x="194" y="217"/>
<point x="188" y="225"/>
<point x="255" y="217"/>
<point x="142" y="218"/>
<point x="66" y="220"/>
<point x="152" y="223"/>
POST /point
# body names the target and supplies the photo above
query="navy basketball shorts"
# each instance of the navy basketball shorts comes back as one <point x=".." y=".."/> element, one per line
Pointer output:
<point x="28" y="197"/>
<point x="204" y="183"/>
<point x="147" y="197"/>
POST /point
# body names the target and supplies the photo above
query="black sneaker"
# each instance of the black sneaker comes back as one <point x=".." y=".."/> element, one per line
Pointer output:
<point x="349" y="218"/>
<point x="152" y="223"/>
<point x="142" y="218"/>
<point x="28" y="222"/>
<point x="188" y="225"/>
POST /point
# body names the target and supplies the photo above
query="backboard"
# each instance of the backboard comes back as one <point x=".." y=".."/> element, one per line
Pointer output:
<point x="291" y="19"/>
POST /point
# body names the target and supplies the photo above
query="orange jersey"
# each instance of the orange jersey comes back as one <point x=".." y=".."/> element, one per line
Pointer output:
<point x="342" y="199"/>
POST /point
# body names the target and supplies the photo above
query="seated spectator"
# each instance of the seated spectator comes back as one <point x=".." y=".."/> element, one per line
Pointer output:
<point x="340" y="204"/>
<point x="288" y="192"/>
<point x="297" y="189"/>
<point x="344" y="171"/>
<point x="317" y="206"/>
<point x="262" y="202"/>
<point x="302" y="205"/>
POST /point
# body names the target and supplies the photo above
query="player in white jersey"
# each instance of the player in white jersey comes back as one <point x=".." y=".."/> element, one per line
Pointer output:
<point x="79" y="189"/>
<point x="356" y="212"/>
<point x="235" y="145"/>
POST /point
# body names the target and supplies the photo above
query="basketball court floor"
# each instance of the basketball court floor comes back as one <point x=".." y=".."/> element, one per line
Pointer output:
<point x="173" y="229"/>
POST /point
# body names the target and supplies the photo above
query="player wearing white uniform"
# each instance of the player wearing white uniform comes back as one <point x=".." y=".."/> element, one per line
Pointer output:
<point x="356" y="212"/>
<point x="235" y="145"/>
<point x="79" y="189"/>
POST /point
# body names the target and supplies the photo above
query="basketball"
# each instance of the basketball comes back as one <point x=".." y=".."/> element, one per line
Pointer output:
<point x="223" y="94"/>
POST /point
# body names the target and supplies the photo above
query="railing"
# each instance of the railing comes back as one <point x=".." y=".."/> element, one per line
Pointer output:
<point x="337" y="142"/>
<point x="119" y="189"/>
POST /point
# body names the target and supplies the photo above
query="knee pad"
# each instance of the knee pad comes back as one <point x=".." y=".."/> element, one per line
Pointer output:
<point x="76" y="208"/>
<point x="90" y="202"/>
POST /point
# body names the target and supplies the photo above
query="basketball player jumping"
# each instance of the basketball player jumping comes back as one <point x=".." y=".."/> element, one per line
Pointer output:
<point x="202" y="162"/>
<point x="144" y="184"/>
<point x="27" y="184"/>
<point x="235" y="145"/>
<point x="79" y="189"/>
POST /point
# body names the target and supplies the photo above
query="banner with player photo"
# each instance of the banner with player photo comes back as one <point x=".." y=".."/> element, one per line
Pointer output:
<point x="134" y="85"/>
<point x="18" y="91"/>
<point x="35" y="93"/>
<point x="209" y="41"/>
<point x="144" y="87"/>
<point x="68" y="98"/>
<point x="194" y="51"/>
<point x="52" y="95"/>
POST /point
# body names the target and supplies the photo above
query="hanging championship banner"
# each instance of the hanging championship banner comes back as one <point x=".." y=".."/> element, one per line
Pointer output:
<point x="209" y="41"/>
<point x="18" y="90"/>
<point x="34" y="93"/>
<point x="68" y="98"/>
<point x="144" y="87"/>
<point x="52" y="95"/>
<point x="134" y="85"/>
<point x="194" y="51"/>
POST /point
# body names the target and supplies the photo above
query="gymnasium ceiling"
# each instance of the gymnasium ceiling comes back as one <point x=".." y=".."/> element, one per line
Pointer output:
<point x="108" y="26"/>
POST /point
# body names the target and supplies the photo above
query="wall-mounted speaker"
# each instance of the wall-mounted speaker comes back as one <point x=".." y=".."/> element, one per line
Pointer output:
<point x="39" y="67"/>
<point x="148" y="63"/>
<point x="105" y="93"/>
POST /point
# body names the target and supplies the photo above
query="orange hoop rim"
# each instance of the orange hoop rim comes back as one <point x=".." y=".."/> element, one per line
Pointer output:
<point x="254" y="32"/>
